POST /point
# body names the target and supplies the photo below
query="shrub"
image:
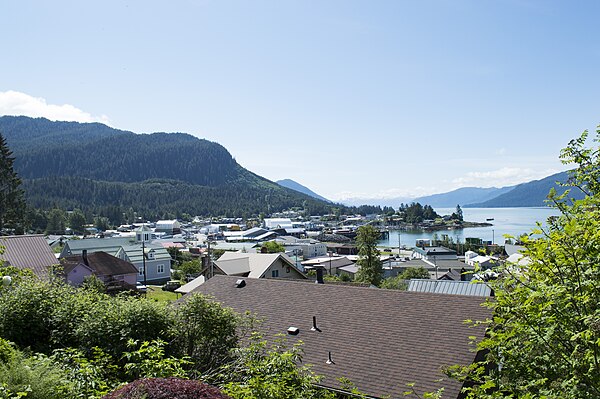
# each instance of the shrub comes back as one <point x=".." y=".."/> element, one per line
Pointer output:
<point x="166" y="388"/>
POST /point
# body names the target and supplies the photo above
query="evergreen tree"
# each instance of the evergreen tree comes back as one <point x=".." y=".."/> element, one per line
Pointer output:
<point x="370" y="267"/>
<point x="77" y="221"/>
<point x="12" y="202"/>
<point x="56" y="222"/>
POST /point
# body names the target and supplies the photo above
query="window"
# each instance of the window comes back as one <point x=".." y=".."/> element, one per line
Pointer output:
<point x="274" y="273"/>
<point x="287" y="269"/>
<point x="160" y="269"/>
<point x="141" y="271"/>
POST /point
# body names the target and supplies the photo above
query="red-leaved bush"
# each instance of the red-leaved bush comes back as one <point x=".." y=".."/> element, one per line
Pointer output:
<point x="166" y="388"/>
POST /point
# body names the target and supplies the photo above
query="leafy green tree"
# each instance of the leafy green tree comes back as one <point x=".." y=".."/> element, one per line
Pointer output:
<point x="399" y="282"/>
<point x="272" y="247"/>
<point x="370" y="268"/>
<point x="206" y="332"/>
<point x="12" y="202"/>
<point x="544" y="338"/>
<point x="77" y="221"/>
<point x="260" y="371"/>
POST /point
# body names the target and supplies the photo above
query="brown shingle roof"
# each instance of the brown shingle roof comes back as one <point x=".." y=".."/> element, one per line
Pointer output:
<point x="100" y="263"/>
<point x="28" y="252"/>
<point x="379" y="339"/>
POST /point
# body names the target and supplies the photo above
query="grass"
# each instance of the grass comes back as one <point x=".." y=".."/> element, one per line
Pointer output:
<point x="156" y="292"/>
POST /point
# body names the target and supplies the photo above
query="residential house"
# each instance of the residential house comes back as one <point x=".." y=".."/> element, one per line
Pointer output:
<point x="257" y="265"/>
<point x="380" y="340"/>
<point x="433" y="254"/>
<point x="106" y="267"/>
<point x="485" y="262"/>
<point x="329" y="264"/>
<point x="109" y="245"/>
<point x="28" y="252"/>
<point x="152" y="259"/>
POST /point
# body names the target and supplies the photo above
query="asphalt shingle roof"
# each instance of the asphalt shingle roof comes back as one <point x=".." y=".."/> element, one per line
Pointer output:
<point x="101" y="263"/>
<point x="379" y="339"/>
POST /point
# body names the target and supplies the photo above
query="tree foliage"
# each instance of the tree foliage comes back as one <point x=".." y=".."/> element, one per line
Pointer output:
<point x="370" y="267"/>
<point x="272" y="247"/>
<point x="262" y="371"/>
<point x="12" y="202"/>
<point x="544" y="338"/>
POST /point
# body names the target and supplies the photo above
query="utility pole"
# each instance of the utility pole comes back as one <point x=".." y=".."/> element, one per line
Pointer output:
<point x="144" y="257"/>
<point x="211" y="267"/>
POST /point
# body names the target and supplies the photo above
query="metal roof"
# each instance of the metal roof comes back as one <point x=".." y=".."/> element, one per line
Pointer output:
<point x="449" y="287"/>
<point x="28" y="252"/>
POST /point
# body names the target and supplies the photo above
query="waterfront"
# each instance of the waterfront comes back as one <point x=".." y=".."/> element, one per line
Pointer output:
<point x="512" y="221"/>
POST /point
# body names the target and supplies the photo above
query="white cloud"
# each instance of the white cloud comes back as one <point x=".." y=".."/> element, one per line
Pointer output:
<point x="17" y="103"/>
<point x="502" y="177"/>
<point x="389" y="193"/>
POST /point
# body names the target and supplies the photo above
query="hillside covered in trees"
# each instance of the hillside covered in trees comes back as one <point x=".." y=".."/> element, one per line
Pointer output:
<point x="93" y="167"/>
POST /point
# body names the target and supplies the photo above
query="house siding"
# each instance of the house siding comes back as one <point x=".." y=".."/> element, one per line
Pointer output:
<point x="283" y="269"/>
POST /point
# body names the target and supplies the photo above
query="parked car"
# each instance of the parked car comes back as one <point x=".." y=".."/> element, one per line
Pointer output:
<point x="141" y="287"/>
<point x="171" y="285"/>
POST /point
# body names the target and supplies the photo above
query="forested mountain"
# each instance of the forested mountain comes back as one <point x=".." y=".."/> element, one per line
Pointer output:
<point x="532" y="193"/>
<point x="465" y="195"/>
<point x="289" y="183"/>
<point x="93" y="167"/>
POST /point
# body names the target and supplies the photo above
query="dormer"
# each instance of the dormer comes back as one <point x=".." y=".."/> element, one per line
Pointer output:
<point x="143" y="234"/>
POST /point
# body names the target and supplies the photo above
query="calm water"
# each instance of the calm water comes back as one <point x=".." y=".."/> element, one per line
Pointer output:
<point x="513" y="221"/>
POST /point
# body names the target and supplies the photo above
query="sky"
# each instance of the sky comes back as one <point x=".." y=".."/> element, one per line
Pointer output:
<point x="367" y="99"/>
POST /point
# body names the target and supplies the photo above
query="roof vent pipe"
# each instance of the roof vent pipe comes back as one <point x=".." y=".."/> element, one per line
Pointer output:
<point x="329" y="360"/>
<point x="240" y="283"/>
<point x="314" y="326"/>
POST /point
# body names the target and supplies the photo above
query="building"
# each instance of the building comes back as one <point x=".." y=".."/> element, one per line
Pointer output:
<point x="151" y="259"/>
<point x="107" y="268"/>
<point x="169" y="227"/>
<point x="378" y="339"/>
<point x="109" y="245"/>
<point x="257" y="265"/>
<point x="28" y="252"/>
<point x="433" y="254"/>
<point x="277" y="223"/>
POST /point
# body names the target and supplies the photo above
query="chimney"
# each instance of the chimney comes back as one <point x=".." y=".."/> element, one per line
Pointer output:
<point x="320" y="276"/>
<point x="85" y="258"/>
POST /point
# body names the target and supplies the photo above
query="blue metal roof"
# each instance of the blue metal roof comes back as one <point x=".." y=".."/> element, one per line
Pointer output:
<point x="449" y="287"/>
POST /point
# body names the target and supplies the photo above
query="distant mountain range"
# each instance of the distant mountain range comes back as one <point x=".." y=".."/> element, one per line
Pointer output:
<point x="462" y="196"/>
<point x="103" y="171"/>
<point x="289" y="183"/>
<point x="530" y="194"/>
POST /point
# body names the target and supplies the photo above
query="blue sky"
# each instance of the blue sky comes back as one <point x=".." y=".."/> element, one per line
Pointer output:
<point x="350" y="98"/>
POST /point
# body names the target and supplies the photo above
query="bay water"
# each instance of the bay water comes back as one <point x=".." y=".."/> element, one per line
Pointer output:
<point x="511" y="221"/>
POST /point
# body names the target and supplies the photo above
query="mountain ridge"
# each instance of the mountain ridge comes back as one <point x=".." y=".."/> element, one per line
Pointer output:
<point x="294" y="185"/>
<point x="93" y="167"/>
